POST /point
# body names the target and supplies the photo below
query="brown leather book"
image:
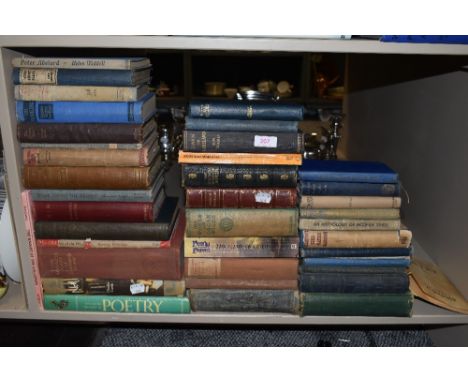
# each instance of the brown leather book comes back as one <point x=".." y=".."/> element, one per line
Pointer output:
<point x="241" y="268"/>
<point x="199" y="283"/>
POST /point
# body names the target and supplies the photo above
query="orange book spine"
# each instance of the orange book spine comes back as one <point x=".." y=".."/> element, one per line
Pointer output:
<point x="240" y="158"/>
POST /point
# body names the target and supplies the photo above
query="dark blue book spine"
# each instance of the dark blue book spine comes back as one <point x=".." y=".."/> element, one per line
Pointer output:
<point x="434" y="39"/>
<point x="354" y="282"/>
<point x="348" y="177"/>
<point x="356" y="252"/>
<point x="245" y="110"/>
<point x="240" y="125"/>
<point x="82" y="112"/>
<point x="308" y="264"/>
<point x="348" y="188"/>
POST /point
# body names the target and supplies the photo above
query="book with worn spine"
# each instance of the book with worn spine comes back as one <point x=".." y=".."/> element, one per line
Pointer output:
<point x="309" y="264"/>
<point x="350" y="224"/>
<point x="240" y="158"/>
<point x="203" y="283"/>
<point x="309" y="201"/>
<point x="356" y="252"/>
<point x="356" y="239"/>
<point x="255" y="125"/>
<point x="116" y="63"/>
<point x="350" y="213"/>
<point x="349" y="188"/>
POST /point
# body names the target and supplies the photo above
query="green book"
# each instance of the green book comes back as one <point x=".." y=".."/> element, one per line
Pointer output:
<point x="117" y="304"/>
<point x="357" y="304"/>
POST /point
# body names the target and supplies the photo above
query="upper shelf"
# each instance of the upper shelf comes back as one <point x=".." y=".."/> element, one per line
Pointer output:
<point x="241" y="43"/>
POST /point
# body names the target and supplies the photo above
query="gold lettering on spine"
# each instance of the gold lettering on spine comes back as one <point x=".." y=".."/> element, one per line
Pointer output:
<point x="204" y="110"/>
<point x="249" y="111"/>
<point x="203" y="140"/>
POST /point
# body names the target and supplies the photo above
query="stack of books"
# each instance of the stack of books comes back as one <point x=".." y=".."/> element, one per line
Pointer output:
<point x="239" y="168"/>
<point x="355" y="251"/>
<point x="101" y="225"/>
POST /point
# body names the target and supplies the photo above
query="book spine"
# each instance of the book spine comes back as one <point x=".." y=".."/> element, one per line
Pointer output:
<point x="321" y="282"/>
<point x="117" y="304"/>
<point x="240" y="125"/>
<point x="88" y="243"/>
<point x="348" y="177"/>
<point x="349" y="189"/>
<point x="350" y="202"/>
<point x="94" y="211"/>
<point x="141" y="196"/>
<point x="240" y="159"/>
<point x="350" y="213"/>
<point x="75" y="93"/>
<point x="349" y="224"/>
<point x="356" y="239"/>
<point x="199" y="283"/>
<point x="86" y="177"/>
<point x="83" y="146"/>
<point x="241" y="222"/>
<point x="79" y="133"/>
<point x="356" y="304"/>
<point x="241" y="247"/>
<point x="86" y="157"/>
<point x="71" y="63"/>
<point x="101" y="230"/>
<point x="308" y="264"/>
<point x="255" y="300"/>
<point x="355" y="252"/>
<point x="33" y="253"/>
<point x="241" y="268"/>
<point x="113" y="286"/>
<point x="240" y="198"/>
<point x="242" y="142"/>
<point x="226" y="176"/>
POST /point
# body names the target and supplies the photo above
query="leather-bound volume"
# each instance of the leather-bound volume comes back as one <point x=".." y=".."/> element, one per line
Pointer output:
<point x="200" y="283"/>
<point x="241" y="268"/>
<point x="240" y="197"/>
<point x="242" y="142"/>
<point x="119" y="263"/>
<point x="84" y="132"/>
<point x="238" y="176"/>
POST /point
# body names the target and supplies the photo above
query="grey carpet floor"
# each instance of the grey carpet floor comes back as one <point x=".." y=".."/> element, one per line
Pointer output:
<point x="235" y="337"/>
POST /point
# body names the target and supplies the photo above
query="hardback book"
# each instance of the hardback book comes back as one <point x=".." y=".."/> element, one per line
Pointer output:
<point x="350" y="213"/>
<point x="240" y="158"/>
<point x="309" y="263"/>
<point x="89" y="77"/>
<point x="356" y="252"/>
<point x="256" y="125"/>
<point x="242" y="142"/>
<point x="87" y="111"/>
<point x="350" y="282"/>
<point x="349" y="188"/>
<point x="131" y="287"/>
<point x="241" y="268"/>
<point x="232" y="222"/>
<point x="97" y="177"/>
<point x="346" y="171"/>
<point x="244" y="300"/>
<point x="240" y="198"/>
<point x="160" y="229"/>
<point x="85" y="132"/>
<point x="116" y="304"/>
<point x="80" y="93"/>
<point x="236" y="176"/>
<point x="283" y="246"/>
<point x="350" y="202"/>
<point x="357" y="304"/>
<point x="118" y="63"/>
<point x="202" y="283"/>
<point x="356" y="239"/>
<point x="132" y="212"/>
<point x="350" y="224"/>
<point x="144" y="195"/>
<point x="245" y="110"/>
<point x="165" y="263"/>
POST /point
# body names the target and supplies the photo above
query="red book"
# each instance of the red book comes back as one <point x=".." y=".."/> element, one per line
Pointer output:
<point x="241" y="197"/>
<point x="118" y="263"/>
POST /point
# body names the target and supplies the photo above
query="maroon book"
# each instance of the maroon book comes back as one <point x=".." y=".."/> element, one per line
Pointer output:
<point x="201" y="283"/>
<point x="241" y="197"/>
<point x="118" y="263"/>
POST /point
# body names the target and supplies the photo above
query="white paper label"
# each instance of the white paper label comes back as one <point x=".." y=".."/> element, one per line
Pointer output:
<point x="265" y="141"/>
<point x="137" y="288"/>
<point x="263" y="197"/>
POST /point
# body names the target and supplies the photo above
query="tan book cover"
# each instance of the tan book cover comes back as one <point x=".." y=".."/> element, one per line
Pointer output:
<point x="350" y="224"/>
<point x="308" y="201"/>
<point x="350" y="213"/>
<point x="240" y="158"/>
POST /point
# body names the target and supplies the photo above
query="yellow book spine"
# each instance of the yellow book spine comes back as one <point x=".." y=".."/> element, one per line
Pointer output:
<point x="240" y="158"/>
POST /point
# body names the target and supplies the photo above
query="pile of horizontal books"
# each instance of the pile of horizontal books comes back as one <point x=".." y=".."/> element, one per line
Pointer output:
<point x="240" y="173"/>
<point x="104" y="229"/>
<point x="354" y="251"/>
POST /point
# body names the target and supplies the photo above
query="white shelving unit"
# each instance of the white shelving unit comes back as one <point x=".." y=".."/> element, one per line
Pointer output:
<point x="417" y="126"/>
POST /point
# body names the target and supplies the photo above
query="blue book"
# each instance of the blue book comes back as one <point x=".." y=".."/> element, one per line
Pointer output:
<point x="91" y="77"/>
<point x="87" y="112"/>
<point x="343" y="282"/>
<point x="308" y="264"/>
<point x="349" y="188"/>
<point x="346" y="171"/>
<point x="245" y="110"/>
<point x="432" y="39"/>
<point x="240" y="125"/>
<point x="356" y="252"/>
